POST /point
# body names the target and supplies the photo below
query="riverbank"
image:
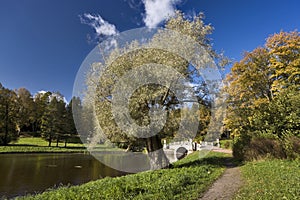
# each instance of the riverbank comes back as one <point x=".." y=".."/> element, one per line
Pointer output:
<point x="14" y="149"/>
<point x="188" y="179"/>
<point x="38" y="145"/>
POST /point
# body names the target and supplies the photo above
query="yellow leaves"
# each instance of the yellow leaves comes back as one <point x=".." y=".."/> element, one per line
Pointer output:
<point x="282" y="39"/>
<point x="195" y="28"/>
<point x="261" y="75"/>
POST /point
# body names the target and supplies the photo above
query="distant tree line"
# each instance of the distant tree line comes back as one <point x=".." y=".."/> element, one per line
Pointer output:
<point x="45" y="115"/>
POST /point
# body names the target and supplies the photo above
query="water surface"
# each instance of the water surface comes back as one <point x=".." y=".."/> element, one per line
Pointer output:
<point x="31" y="173"/>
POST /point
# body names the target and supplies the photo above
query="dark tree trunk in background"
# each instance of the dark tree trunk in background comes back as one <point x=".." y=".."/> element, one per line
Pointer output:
<point x="57" y="140"/>
<point x="157" y="156"/>
<point x="66" y="140"/>
<point x="50" y="140"/>
<point x="6" y="124"/>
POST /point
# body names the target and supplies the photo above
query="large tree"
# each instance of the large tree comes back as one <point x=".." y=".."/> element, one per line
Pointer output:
<point x="41" y="101"/>
<point x="26" y="110"/>
<point x="69" y="125"/>
<point x="149" y="97"/>
<point x="54" y="121"/>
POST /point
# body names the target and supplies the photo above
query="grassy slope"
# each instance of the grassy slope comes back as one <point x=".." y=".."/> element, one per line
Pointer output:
<point x="187" y="180"/>
<point x="271" y="179"/>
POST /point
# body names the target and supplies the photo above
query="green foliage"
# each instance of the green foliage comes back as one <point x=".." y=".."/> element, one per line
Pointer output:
<point x="264" y="99"/>
<point x="110" y="78"/>
<point x="259" y="145"/>
<point x="51" y="121"/>
<point x="271" y="179"/>
<point x="26" y="110"/>
<point x="189" y="178"/>
<point x="8" y="115"/>
<point x="226" y="144"/>
<point x="291" y="145"/>
<point x="21" y="114"/>
<point x="279" y="116"/>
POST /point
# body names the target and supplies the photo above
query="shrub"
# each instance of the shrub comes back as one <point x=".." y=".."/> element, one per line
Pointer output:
<point x="239" y="146"/>
<point x="260" y="146"/>
<point x="291" y="146"/>
<point x="264" y="147"/>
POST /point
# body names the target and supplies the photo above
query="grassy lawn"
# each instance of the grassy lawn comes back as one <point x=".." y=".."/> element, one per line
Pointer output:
<point x="38" y="145"/>
<point x="271" y="179"/>
<point x="189" y="178"/>
<point x="226" y="144"/>
<point x="39" y="149"/>
<point x="36" y="141"/>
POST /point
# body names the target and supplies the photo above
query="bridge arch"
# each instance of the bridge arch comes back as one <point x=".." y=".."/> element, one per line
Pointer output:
<point x="180" y="152"/>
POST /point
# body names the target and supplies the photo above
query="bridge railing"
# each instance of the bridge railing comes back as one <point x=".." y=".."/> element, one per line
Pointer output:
<point x="189" y="145"/>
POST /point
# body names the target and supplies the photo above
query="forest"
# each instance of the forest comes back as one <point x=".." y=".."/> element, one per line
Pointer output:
<point x="46" y="115"/>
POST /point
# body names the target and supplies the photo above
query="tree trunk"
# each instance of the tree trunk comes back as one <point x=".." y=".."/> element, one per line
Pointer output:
<point x="57" y="140"/>
<point x="50" y="140"/>
<point x="157" y="156"/>
<point x="6" y="124"/>
<point x="66" y="140"/>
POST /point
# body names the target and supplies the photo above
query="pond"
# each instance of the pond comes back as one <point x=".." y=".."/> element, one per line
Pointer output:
<point x="30" y="173"/>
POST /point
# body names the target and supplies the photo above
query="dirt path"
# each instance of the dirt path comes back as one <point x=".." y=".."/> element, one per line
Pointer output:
<point x="227" y="185"/>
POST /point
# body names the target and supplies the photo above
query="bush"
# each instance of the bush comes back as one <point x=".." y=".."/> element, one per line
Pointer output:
<point x="239" y="146"/>
<point x="291" y="146"/>
<point x="266" y="146"/>
<point x="10" y="137"/>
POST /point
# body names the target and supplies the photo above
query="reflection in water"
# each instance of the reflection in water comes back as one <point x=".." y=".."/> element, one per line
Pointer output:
<point x="30" y="173"/>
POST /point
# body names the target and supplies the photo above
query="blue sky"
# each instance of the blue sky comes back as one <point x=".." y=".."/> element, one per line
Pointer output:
<point x="43" y="42"/>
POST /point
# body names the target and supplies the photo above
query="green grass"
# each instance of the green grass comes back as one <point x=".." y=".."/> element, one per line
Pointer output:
<point x="37" y="149"/>
<point x="40" y="142"/>
<point x="189" y="178"/>
<point x="271" y="179"/>
<point x="226" y="144"/>
<point x="38" y="145"/>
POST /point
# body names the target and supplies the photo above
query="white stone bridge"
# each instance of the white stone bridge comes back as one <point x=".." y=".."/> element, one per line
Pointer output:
<point x="182" y="148"/>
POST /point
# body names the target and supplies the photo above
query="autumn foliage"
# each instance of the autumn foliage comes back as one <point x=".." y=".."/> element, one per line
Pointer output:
<point x="263" y="112"/>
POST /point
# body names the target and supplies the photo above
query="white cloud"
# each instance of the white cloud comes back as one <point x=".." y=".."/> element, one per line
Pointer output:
<point x="157" y="11"/>
<point x="101" y="27"/>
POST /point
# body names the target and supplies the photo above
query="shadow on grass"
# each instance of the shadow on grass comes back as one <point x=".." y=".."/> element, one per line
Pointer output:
<point x="39" y="146"/>
<point x="23" y="145"/>
<point x="217" y="161"/>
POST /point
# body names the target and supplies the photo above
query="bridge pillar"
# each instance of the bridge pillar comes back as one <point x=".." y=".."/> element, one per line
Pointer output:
<point x="165" y="144"/>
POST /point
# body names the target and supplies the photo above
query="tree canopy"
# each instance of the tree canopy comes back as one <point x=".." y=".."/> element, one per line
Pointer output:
<point x="43" y="115"/>
<point x="263" y="90"/>
<point x="152" y="81"/>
